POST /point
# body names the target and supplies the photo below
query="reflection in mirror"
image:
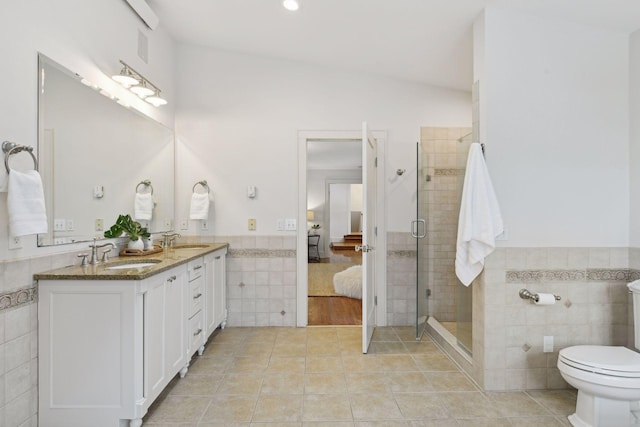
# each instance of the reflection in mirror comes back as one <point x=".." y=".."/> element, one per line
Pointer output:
<point x="93" y="155"/>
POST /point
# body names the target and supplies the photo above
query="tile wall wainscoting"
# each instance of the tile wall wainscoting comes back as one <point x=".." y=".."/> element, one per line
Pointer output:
<point x="508" y="331"/>
<point x="592" y="280"/>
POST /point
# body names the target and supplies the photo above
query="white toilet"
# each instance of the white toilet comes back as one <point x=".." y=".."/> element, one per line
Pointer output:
<point x="607" y="379"/>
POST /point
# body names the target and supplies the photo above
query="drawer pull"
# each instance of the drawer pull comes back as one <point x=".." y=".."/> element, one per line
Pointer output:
<point x="197" y="296"/>
<point x="197" y="267"/>
<point x="171" y="279"/>
<point x="198" y="332"/>
<point x="218" y="257"/>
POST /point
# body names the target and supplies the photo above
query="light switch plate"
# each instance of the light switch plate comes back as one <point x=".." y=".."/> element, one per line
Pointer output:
<point x="290" y="224"/>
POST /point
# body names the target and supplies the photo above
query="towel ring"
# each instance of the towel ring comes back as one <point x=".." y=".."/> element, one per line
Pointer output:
<point x="202" y="183"/>
<point x="10" y="148"/>
<point x="146" y="183"/>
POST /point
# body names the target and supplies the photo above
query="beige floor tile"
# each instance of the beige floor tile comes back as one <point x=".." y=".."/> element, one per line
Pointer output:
<point x="281" y="408"/>
<point x="287" y="364"/>
<point x="324" y="383"/>
<point x="374" y="407"/>
<point x="434" y="362"/>
<point x="196" y="385"/>
<point x="362" y="382"/>
<point x="397" y="362"/>
<point x="291" y="350"/>
<point x="385" y="334"/>
<point x="283" y="384"/>
<point x="405" y="333"/>
<point x="326" y="407"/>
<point x="325" y="348"/>
<point x="385" y="423"/>
<point x="450" y="381"/>
<point x="387" y="347"/>
<point x="421" y="405"/>
<point x="223" y="424"/>
<point x="256" y="348"/>
<point x="422" y="347"/>
<point x="361" y="362"/>
<point x="322" y="334"/>
<point x="222" y="349"/>
<point x="317" y="364"/>
<point x="247" y="364"/>
<point x="226" y="409"/>
<point x="405" y="382"/>
<point x="487" y="422"/>
<point x="468" y="404"/>
<point x="434" y="423"/>
<point x="240" y="384"/>
<point x="327" y="424"/>
<point x="537" y="422"/>
<point x="558" y="402"/>
<point x="179" y="409"/>
<point x="210" y="365"/>
<point x="516" y="404"/>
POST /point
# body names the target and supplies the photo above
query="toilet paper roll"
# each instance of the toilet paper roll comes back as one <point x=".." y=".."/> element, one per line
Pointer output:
<point x="546" y="299"/>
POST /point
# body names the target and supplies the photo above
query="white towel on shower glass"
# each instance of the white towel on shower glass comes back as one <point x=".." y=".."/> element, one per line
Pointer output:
<point x="25" y="203"/>
<point x="143" y="206"/>
<point x="199" y="206"/>
<point x="480" y="221"/>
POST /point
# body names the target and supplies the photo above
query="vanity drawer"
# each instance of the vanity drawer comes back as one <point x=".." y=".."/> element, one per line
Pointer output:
<point x="196" y="296"/>
<point x="196" y="332"/>
<point x="195" y="268"/>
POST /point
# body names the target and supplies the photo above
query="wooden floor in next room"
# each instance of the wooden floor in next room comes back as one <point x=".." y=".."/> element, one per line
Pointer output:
<point x="325" y="306"/>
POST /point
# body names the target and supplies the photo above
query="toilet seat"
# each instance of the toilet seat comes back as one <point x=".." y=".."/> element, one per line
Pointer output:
<point x="614" y="361"/>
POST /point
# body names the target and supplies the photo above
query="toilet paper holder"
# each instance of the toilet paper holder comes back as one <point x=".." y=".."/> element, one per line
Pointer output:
<point x="525" y="294"/>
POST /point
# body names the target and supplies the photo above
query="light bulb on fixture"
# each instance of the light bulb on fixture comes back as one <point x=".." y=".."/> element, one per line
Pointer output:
<point x="155" y="99"/>
<point x="142" y="90"/>
<point x="126" y="77"/>
<point x="291" y="5"/>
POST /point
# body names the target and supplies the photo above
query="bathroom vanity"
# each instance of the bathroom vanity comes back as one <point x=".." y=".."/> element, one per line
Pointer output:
<point x="112" y="335"/>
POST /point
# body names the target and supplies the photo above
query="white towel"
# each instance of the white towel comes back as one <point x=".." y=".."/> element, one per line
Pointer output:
<point x="199" y="206"/>
<point x="25" y="202"/>
<point x="143" y="206"/>
<point x="480" y="220"/>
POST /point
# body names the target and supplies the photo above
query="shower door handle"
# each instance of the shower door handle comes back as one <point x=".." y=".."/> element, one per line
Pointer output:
<point x="415" y="226"/>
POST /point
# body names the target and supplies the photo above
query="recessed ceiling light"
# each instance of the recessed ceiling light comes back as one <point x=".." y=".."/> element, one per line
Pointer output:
<point x="291" y="5"/>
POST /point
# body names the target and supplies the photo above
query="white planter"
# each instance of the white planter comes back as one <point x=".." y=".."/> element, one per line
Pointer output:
<point x="136" y="244"/>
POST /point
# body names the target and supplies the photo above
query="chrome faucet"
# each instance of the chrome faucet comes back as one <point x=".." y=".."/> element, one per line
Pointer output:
<point x="169" y="238"/>
<point x="94" y="252"/>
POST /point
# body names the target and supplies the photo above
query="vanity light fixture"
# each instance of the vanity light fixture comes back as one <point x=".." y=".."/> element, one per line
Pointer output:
<point x="138" y="84"/>
<point x="291" y="5"/>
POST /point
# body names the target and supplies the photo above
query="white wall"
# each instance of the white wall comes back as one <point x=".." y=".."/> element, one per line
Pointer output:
<point x="634" y="138"/>
<point x="555" y="118"/>
<point x="86" y="37"/>
<point x="238" y="118"/>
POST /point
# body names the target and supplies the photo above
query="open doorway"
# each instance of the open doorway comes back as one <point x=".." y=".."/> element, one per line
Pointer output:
<point x="334" y="210"/>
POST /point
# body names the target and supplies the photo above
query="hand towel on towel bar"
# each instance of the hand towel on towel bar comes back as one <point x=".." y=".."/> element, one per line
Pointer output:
<point x="143" y="206"/>
<point x="199" y="206"/>
<point x="25" y="203"/>
<point x="480" y="220"/>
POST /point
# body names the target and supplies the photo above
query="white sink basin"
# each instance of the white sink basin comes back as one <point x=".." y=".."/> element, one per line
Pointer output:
<point x="128" y="265"/>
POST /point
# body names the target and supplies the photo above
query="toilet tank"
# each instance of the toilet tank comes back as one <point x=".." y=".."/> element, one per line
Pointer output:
<point x="634" y="287"/>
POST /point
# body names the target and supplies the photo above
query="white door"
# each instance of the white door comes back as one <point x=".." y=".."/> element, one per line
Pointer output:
<point x="369" y="164"/>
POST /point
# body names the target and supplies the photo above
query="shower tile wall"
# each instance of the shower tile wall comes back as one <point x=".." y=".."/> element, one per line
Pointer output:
<point x="445" y="163"/>
<point x="401" y="279"/>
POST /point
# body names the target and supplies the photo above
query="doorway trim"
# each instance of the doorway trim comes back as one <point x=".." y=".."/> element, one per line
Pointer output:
<point x="302" y="289"/>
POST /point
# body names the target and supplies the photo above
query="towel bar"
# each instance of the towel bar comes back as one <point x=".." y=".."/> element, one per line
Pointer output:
<point x="202" y="183"/>
<point x="10" y="148"/>
<point x="146" y="183"/>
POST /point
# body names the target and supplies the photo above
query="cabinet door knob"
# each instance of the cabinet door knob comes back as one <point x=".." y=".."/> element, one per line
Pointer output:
<point x="197" y="296"/>
<point x="171" y="279"/>
<point x="196" y="333"/>
<point x="197" y="267"/>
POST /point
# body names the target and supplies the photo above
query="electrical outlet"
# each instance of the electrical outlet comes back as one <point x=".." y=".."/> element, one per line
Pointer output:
<point x="252" y="224"/>
<point x="59" y="225"/>
<point x="547" y="344"/>
<point x="184" y="224"/>
<point x="205" y="224"/>
<point x="15" y="242"/>
<point x="280" y="225"/>
<point x="70" y="225"/>
<point x="99" y="224"/>
<point x="290" y="224"/>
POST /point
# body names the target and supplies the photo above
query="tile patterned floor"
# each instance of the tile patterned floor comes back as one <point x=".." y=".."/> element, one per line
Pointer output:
<point x="274" y="377"/>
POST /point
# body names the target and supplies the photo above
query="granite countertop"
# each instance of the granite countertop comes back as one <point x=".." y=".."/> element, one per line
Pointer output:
<point x="165" y="260"/>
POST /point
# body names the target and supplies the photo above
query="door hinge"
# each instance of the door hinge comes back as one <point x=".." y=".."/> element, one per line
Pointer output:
<point x="428" y="292"/>
<point x="375" y="231"/>
<point x="375" y="300"/>
<point x="375" y="163"/>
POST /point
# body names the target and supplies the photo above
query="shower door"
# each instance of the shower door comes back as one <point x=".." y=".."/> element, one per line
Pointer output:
<point x="419" y="232"/>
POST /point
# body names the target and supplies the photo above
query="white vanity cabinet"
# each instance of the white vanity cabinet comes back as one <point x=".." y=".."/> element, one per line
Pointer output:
<point x="107" y="348"/>
<point x="195" y="270"/>
<point x="216" y="290"/>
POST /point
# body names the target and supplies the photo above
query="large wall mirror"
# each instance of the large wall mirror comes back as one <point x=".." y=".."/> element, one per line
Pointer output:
<point x="94" y="153"/>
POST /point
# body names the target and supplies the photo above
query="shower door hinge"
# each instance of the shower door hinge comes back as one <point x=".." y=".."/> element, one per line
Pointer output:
<point x="428" y="292"/>
<point x="375" y="231"/>
<point x="375" y="163"/>
<point x="375" y="300"/>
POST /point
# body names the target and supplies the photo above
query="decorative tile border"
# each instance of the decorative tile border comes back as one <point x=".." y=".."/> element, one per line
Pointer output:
<point x="401" y="254"/>
<point x="594" y="275"/>
<point x="17" y="298"/>
<point x="262" y="253"/>
<point x="448" y="172"/>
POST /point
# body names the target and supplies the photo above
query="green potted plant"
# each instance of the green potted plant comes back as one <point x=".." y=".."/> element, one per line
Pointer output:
<point x="135" y="231"/>
<point x="315" y="228"/>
